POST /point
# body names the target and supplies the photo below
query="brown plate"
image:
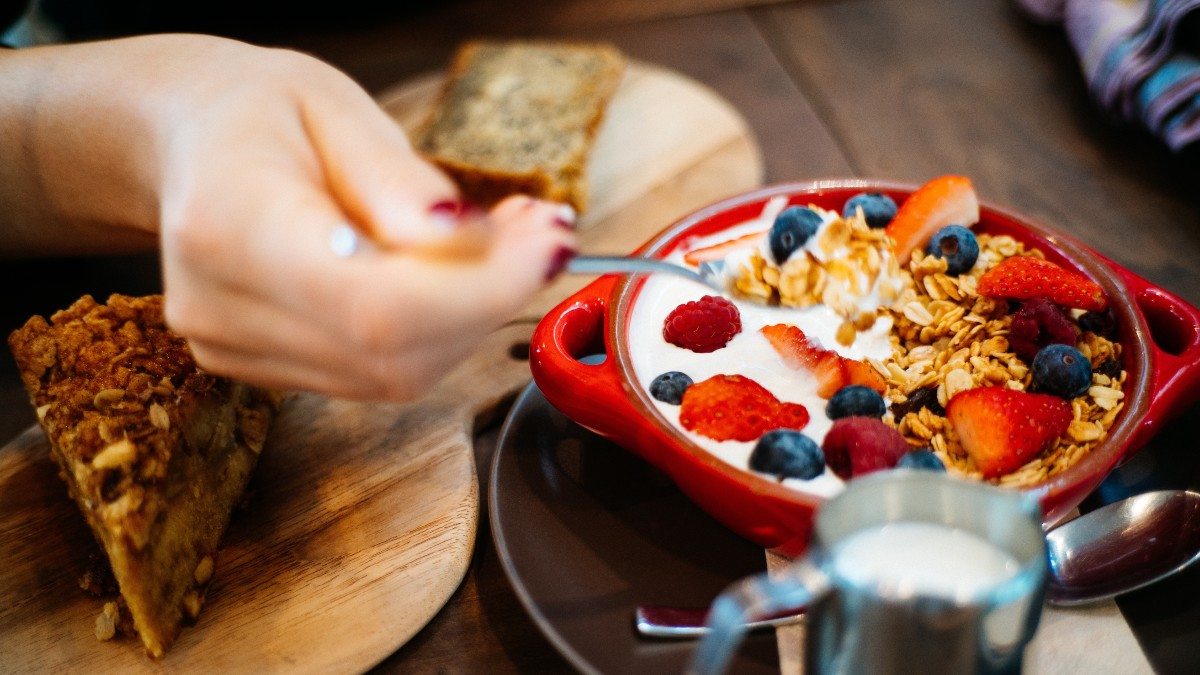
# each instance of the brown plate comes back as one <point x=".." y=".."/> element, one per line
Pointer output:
<point x="586" y="531"/>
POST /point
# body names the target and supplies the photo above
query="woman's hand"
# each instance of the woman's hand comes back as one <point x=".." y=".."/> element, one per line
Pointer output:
<point x="249" y="164"/>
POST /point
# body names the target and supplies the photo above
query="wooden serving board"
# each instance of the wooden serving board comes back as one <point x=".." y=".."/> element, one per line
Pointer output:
<point x="362" y="518"/>
<point x="667" y="146"/>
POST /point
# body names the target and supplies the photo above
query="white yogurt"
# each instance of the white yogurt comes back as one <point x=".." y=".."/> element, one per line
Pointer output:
<point x="906" y="559"/>
<point x="748" y="353"/>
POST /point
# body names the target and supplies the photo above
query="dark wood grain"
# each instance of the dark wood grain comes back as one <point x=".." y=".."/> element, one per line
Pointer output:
<point x="914" y="90"/>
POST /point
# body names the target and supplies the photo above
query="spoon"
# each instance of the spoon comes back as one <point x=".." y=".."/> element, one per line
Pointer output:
<point x="1112" y="550"/>
<point x="711" y="273"/>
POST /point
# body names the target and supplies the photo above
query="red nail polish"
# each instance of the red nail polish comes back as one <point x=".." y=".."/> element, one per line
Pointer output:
<point x="454" y="210"/>
<point x="446" y="207"/>
<point x="559" y="261"/>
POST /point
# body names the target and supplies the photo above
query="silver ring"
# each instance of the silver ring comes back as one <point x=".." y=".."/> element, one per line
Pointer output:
<point x="344" y="241"/>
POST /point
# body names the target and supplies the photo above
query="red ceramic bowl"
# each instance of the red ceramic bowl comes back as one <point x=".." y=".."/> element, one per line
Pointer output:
<point x="1159" y="331"/>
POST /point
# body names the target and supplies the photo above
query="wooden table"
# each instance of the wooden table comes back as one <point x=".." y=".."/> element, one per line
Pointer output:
<point x="897" y="89"/>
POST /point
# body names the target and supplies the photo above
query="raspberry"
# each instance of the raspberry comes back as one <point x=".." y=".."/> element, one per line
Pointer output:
<point x="703" y="325"/>
<point x="1039" y="322"/>
<point x="736" y="408"/>
<point x="858" y="445"/>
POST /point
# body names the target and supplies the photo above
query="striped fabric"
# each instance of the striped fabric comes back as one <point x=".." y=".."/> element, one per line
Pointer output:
<point x="1141" y="59"/>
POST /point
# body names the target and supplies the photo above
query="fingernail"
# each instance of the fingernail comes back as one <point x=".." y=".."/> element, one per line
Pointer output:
<point x="559" y="261"/>
<point x="451" y="213"/>
<point x="565" y="217"/>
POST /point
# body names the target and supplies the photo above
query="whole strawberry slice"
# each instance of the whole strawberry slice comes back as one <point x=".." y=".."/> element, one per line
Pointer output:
<point x="736" y="408"/>
<point x="1002" y="429"/>
<point x="1026" y="277"/>
<point x="723" y="249"/>
<point x="947" y="200"/>
<point x="832" y="370"/>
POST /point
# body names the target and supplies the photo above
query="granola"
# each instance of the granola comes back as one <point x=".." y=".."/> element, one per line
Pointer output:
<point x="948" y="338"/>
<point x="945" y="337"/>
<point x="849" y="268"/>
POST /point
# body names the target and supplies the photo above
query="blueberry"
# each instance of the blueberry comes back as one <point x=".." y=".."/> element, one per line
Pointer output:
<point x="855" y="400"/>
<point x="1062" y="370"/>
<point x="957" y="245"/>
<point x="878" y="208"/>
<point x="788" y="454"/>
<point x="792" y="228"/>
<point x="923" y="459"/>
<point x="669" y="387"/>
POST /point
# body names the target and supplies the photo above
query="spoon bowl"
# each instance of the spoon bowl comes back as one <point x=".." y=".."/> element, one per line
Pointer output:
<point x="1123" y="546"/>
<point x="1112" y="550"/>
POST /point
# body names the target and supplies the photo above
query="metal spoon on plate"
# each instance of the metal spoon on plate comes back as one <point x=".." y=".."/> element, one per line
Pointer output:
<point x="1115" y="549"/>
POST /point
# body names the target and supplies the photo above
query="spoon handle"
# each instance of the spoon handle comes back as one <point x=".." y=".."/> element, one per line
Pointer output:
<point x="685" y="622"/>
<point x="604" y="264"/>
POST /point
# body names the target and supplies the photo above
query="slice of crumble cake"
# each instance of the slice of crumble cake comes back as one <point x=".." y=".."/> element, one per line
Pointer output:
<point x="155" y="452"/>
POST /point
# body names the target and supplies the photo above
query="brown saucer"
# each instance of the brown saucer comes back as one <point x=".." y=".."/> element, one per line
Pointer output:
<point x="586" y="531"/>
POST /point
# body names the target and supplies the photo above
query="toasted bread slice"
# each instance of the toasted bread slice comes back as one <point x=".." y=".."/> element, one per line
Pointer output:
<point x="155" y="452"/>
<point x="521" y="117"/>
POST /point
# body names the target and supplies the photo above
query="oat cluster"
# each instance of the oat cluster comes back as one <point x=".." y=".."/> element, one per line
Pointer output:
<point x="947" y="339"/>
<point x="852" y="261"/>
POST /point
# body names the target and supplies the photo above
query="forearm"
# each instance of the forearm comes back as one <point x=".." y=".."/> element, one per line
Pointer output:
<point x="78" y="149"/>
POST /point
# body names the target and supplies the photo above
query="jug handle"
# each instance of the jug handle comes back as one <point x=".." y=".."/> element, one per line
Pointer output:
<point x="754" y="598"/>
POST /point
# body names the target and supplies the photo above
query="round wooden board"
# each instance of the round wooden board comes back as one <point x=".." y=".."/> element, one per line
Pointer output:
<point x="360" y="524"/>
<point x="362" y="517"/>
<point x="668" y="145"/>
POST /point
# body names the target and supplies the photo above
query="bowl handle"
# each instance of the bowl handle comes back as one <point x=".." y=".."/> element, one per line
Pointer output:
<point x="591" y="394"/>
<point x="1175" y="339"/>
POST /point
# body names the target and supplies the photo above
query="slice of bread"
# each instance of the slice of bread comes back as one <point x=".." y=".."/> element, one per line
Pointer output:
<point x="521" y="117"/>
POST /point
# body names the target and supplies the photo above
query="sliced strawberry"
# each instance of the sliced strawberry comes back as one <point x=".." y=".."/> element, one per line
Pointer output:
<point x="1026" y="277"/>
<point x="1002" y="429"/>
<point x="736" y="408"/>
<point x="723" y="249"/>
<point x="832" y="370"/>
<point x="948" y="200"/>
<point x="798" y="352"/>
<point x="861" y="372"/>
